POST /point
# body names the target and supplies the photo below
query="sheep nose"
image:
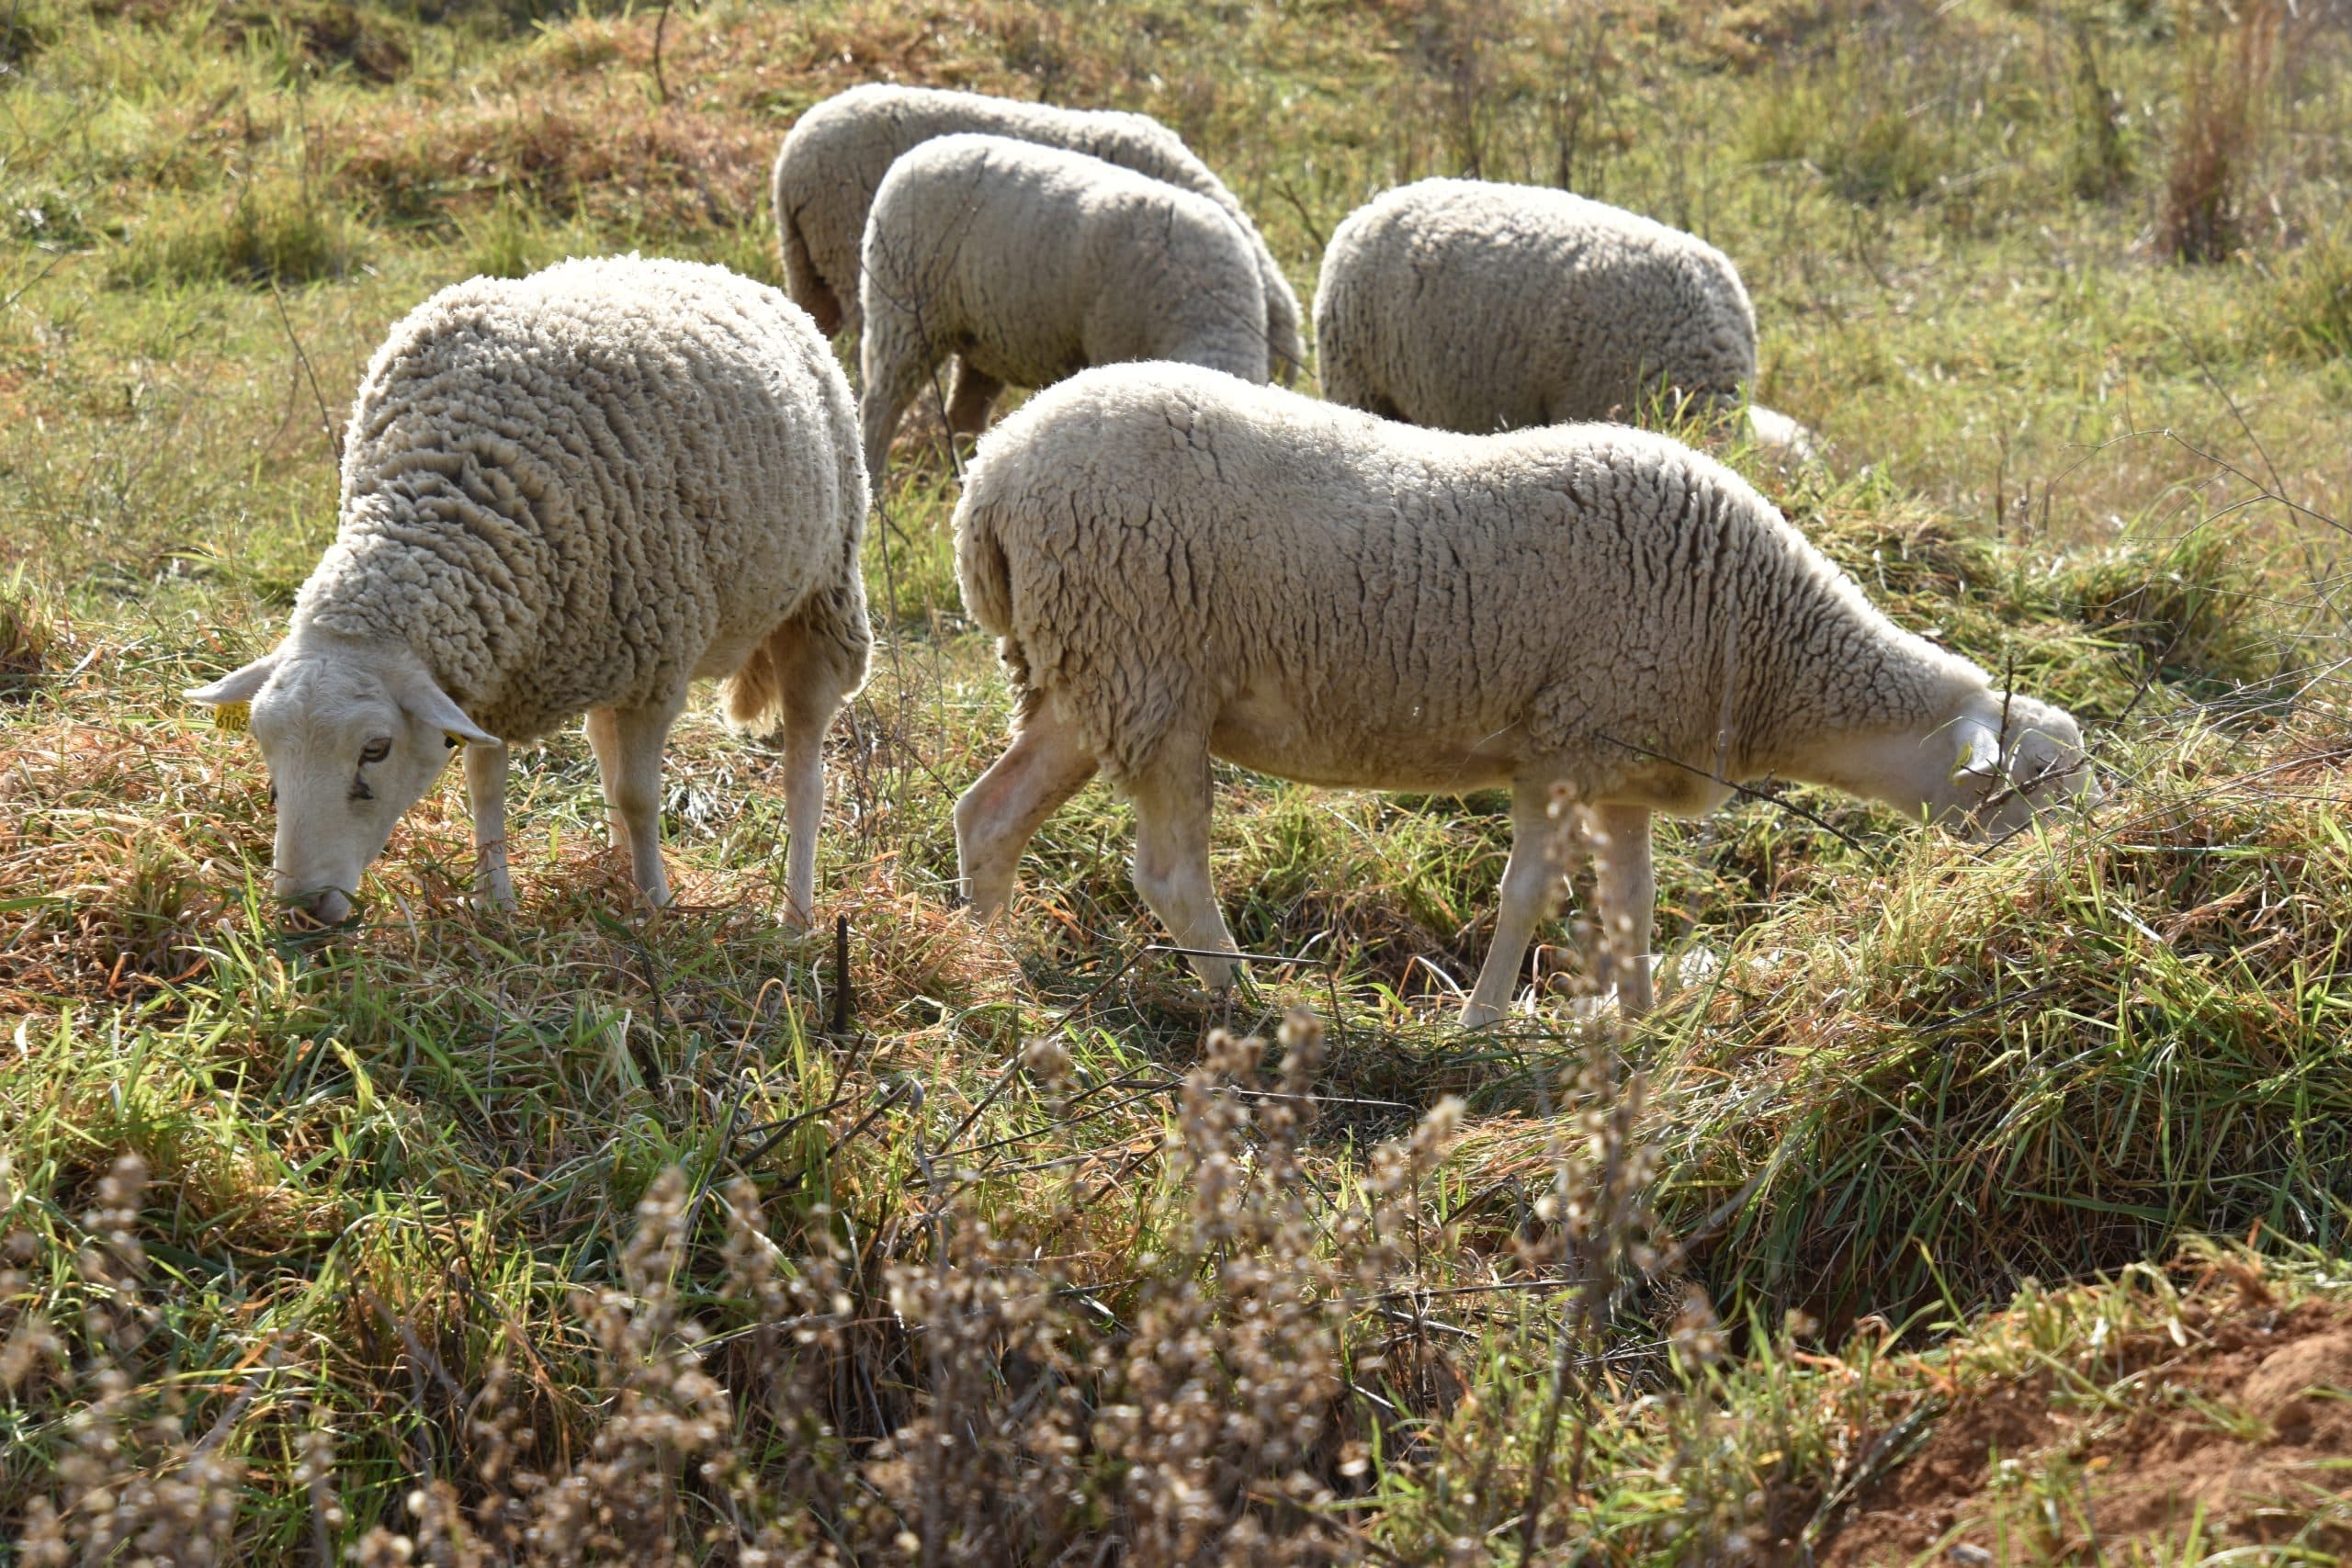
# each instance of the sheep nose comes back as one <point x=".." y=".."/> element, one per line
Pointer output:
<point x="325" y="904"/>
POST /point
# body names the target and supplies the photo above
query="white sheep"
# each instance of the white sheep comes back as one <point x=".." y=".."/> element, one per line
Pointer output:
<point x="1180" y="564"/>
<point x="569" y="493"/>
<point x="1473" y="306"/>
<point x="1030" y="263"/>
<point x="835" y="155"/>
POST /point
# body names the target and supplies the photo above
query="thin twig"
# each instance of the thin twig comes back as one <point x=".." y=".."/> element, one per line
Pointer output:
<point x="326" y="421"/>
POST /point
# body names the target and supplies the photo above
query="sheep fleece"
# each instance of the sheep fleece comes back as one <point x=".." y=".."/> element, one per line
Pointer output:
<point x="1474" y="306"/>
<point x="1178" y="556"/>
<point x="835" y="155"/>
<point x="582" y="488"/>
<point x="1033" y="262"/>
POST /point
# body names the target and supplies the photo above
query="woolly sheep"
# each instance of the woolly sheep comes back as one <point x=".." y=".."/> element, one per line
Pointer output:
<point x="1031" y="263"/>
<point x="1473" y="306"/>
<point x="835" y="156"/>
<point x="572" y="493"/>
<point x="1179" y="564"/>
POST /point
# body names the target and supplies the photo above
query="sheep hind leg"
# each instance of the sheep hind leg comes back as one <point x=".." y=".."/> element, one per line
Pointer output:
<point x="1530" y="877"/>
<point x="1003" y="809"/>
<point x="1626" y="901"/>
<point x="1172" y="865"/>
<point x="969" y="396"/>
<point x="628" y="743"/>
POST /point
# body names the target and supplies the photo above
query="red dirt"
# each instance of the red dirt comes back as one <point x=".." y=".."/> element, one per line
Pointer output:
<point x="2251" y="1421"/>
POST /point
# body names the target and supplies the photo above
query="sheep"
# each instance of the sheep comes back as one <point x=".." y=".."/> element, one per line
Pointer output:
<point x="568" y="494"/>
<point x="1179" y="564"/>
<point x="1031" y="262"/>
<point x="834" y="160"/>
<point x="1474" y="306"/>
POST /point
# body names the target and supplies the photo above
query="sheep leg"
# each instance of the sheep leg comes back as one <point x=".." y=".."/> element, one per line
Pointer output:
<point x="628" y="743"/>
<point x="1625" y="896"/>
<point x="1530" y="877"/>
<point x="894" y="362"/>
<point x="997" y="817"/>
<point x="969" y="399"/>
<point x="486" y="793"/>
<point x="804" y="808"/>
<point x="1171" y="863"/>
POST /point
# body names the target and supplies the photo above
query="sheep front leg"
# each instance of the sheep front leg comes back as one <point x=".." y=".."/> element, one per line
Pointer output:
<point x="628" y="743"/>
<point x="1530" y="877"/>
<point x="1625" y="894"/>
<point x="1172" y="865"/>
<point x="1003" y="809"/>
<point x="486" y="793"/>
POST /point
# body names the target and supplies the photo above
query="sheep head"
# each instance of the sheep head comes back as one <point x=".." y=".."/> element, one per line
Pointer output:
<point x="353" y="734"/>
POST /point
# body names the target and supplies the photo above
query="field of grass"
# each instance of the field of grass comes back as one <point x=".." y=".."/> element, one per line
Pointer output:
<point x="1965" y="1205"/>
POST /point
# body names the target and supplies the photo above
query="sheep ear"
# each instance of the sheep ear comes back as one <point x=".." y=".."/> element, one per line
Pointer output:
<point x="1979" y="749"/>
<point x="422" y="698"/>
<point x="238" y="686"/>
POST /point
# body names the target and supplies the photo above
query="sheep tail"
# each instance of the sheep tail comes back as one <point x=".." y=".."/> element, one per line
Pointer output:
<point x="806" y="668"/>
<point x="985" y="578"/>
<point x="801" y="280"/>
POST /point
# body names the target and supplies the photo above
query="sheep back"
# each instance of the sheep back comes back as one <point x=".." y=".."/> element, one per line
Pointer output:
<point x="1033" y="262"/>
<point x="582" y="488"/>
<point x="1474" y="306"/>
<point x="835" y="156"/>
<point x="1176" y="558"/>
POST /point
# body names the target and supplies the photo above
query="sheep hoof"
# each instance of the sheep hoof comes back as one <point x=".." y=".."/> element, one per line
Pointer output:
<point x="1477" y="1015"/>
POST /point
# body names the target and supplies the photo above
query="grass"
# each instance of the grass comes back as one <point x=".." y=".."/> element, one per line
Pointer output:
<point x="461" y="1225"/>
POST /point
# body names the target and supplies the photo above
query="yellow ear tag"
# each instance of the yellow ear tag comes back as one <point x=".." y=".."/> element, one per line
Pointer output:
<point x="234" y="717"/>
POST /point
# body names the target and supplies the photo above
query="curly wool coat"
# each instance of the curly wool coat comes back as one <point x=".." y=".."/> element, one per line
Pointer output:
<point x="835" y="156"/>
<point x="1474" y="306"/>
<point x="1179" y="564"/>
<point x="585" y="488"/>
<point x="1031" y="264"/>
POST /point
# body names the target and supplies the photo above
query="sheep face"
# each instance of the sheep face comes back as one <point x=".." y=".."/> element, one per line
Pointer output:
<point x="1985" y="773"/>
<point x="353" y="738"/>
<point x="2013" y="774"/>
<point x="2016" y="758"/>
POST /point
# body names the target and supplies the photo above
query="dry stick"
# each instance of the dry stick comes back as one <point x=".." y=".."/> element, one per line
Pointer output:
<point x="53" y="263"/>
<point x="660" y="86"/>
<point x="840" y="975"/>
<point x="326" y="421"/>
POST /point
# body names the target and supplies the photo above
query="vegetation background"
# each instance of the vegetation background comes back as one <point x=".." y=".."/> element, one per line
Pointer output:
<point x="1963" y="1205"/>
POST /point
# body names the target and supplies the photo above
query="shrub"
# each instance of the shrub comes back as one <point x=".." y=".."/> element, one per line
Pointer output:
<point x="2228" y="56"/>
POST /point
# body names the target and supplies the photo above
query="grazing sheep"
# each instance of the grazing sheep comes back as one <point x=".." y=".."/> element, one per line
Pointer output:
<point x="1030" y="263"/>
<point x="572" y="493"/>
<point x="1180" y="565"/>
<point x="1472" y="305"/>
<point x="834" y="158"/>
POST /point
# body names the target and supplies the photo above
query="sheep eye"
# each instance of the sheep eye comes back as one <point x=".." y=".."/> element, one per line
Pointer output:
<point x="376" y="750"/>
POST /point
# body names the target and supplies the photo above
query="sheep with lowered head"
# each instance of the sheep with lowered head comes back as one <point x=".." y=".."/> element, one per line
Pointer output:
<point x="835" y="155"/>
<point x="568" y="494"/>
<point x="1030" y="263"/>
<point x="1474" y="306"/>
<point x="1179" y="564"/>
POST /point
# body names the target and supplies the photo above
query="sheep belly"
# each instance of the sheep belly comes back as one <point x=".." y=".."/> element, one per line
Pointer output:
<point x="1335" y="745"/>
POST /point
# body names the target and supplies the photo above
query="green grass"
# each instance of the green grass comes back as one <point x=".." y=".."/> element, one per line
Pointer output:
<point x="1023" y="1214"/>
